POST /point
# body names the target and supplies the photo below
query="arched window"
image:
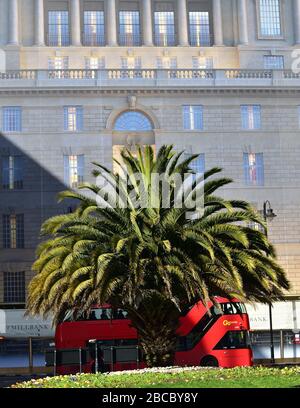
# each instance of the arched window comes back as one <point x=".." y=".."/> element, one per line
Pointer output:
<point x="133" y="121"/>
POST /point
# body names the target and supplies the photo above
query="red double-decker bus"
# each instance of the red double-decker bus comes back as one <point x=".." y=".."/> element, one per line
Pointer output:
<point x="105" y="339"/>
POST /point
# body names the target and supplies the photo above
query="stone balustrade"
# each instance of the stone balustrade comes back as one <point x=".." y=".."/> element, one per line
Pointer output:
<point x="149" y="78"/>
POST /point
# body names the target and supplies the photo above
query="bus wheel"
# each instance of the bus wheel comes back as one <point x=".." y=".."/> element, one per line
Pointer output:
<point x="209" y="361"/>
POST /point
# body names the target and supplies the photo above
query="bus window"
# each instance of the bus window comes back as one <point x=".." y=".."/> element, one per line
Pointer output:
<point x="96" y="314"/>
<point x="227" y="308"/>
<point x="233" y="308"/>
<point x="93" y="315"/>
<point x="216" y="311"/>
<point x="233" y="340"/>
<point x="100" y="314"/>
<point x="114" y="343"/>
<point x="126" y="342"/>
<point x="107" y="314"/>
<point x="69" y="316"/>
<point x="120" y="314"/>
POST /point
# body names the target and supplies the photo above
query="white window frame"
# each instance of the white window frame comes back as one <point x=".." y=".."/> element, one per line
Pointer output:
<point x="13" y="168"/>
<point x="92" y="24"/>
<point x="73" y="121"/>
<point x="129" y="20"/>
<point x="17" y="121"/>
<point x="191" y="119"/>
<point x="131" y="63"/>
<point x="261" y="36"/>
<point x="13" y="231"/>
<point x="162" y="35"/>
<point x="201" y="13"/>
<point x="249" y="119"/>
<point x="72" y="170"/>
<point x="166" y="62"/>
<point x="58" y="63"/>
<point x="281" y="57"/>
<point x="98" y="63"/>
<point x="203" y="62"/>
<point x="193" y="164"/>
<point x="59" y="34"/>
<point x="259" y="182"/>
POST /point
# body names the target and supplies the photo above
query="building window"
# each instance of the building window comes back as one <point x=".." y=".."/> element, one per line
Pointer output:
<point x="58" y="63"/>
<point x="198" y="164"/>
<point x="129" y="26"/>
<point x="131" y="63"/>
<point x="74" y="170"/>
<point x="251" y="117"/>
<point x="273" y="62"/>
<point x="73" y="118"/>
<point x="133" y="121"/>
<point x="13" y="231"/>
<point x="269" y="18"/>
<point x="193" y="117"/>
<point x="12" y="172"/>
<point x="254" y="169"/>
<point x="95" y="63"/>
<point x="199" y="28"/>
<point x="14" y="287"/>
<point x="93" y="30"/>
<point x="58" y="67"/>
<point x="12" y="119"/>
<point x="58" y="28"/>
<point x="203" y="63"/>
<point x="166" y="62"/>
<point x="164" y="28"/>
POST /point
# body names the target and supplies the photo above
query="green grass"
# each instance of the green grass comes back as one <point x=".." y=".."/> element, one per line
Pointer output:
<point x="258" y="377"/>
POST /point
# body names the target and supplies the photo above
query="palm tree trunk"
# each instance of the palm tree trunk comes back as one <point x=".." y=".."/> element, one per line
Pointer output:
<point x="158" y="347"/>
<point x="156" y="327"/>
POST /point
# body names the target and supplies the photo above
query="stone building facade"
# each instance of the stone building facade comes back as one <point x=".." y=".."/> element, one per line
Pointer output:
<point x="80" y="79"/>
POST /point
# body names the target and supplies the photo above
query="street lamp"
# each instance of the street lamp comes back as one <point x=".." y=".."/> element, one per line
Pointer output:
<point x="269" y="214"/>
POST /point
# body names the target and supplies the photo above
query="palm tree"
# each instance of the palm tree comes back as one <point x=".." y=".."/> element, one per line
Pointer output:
<point x="153" y="261"/>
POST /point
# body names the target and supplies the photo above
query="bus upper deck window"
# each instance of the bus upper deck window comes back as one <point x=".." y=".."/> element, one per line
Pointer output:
<point x="104" y="315"/>
<point x="216" y="311"/>
<point x="233" y="308"/>
<point x="120" y="314"/>
<point x="227" y="308"/>
<point x="93" y="315"/>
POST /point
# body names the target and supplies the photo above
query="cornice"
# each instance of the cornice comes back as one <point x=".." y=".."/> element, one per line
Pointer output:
<point x="158" y="91"/>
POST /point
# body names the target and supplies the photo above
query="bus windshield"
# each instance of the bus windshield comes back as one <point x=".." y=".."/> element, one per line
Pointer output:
<point x="230" y="309"/>
<point x="234" y="340"/>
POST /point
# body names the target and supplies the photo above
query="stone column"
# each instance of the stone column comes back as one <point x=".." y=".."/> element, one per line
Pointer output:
<point x="13" y="22"/>
<point x="218" y="26"/>
<point x="75" y="23"/>
<point x="243" y="22"/>
<point x="111" y="23"/>
<point x="183" y="37"/>
<point x="147" y="23"/>
<point x="39" y="29"/>
<point x="297" y="21"/>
